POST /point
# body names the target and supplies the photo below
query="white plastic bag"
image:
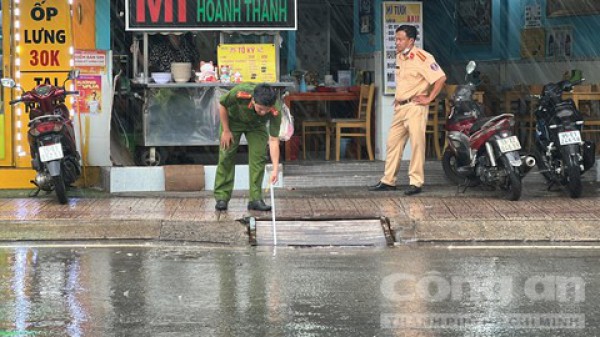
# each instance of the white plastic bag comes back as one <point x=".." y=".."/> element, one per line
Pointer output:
<point x="286" y="130"/>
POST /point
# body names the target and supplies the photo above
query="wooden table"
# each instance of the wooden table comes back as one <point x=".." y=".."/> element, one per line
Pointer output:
<point x="321" y="96"/>
<point x="336" y="96"/>
<point x="582" y="96"/>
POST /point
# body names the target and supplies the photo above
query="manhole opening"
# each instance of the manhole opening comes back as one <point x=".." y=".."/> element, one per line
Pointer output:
<point x="311" y="232"/>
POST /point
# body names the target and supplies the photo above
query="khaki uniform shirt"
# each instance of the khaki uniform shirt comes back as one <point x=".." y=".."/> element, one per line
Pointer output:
<point x="415" y="73"/>
<point x="241" y="112"/>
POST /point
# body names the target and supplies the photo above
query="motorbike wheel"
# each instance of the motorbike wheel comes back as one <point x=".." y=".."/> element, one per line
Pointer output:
<point x="515" y="186"/>
<point x="574" y="181"/>
<point x="60" y="189"/>
<point x="142" y="157"/>
<point x="542" y="166"/>
<point x="449" y="166"/>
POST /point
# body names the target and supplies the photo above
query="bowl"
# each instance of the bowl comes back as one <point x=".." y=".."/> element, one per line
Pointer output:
<point x="182" y="71"/>
<point x="161" y="78"/>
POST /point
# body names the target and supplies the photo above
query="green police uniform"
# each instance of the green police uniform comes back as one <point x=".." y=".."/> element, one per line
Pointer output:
<point x="243" y="119"/>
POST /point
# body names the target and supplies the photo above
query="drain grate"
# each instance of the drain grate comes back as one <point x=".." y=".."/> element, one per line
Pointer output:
<point x="321" y="232"/>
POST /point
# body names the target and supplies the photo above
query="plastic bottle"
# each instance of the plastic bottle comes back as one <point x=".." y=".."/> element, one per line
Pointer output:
<point x="302" y="84"/>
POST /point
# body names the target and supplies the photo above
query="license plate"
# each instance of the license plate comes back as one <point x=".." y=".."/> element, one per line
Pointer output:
<point x="509" y="144"/>
<point x="570" y="137"/>
<point x="51" y="152"/>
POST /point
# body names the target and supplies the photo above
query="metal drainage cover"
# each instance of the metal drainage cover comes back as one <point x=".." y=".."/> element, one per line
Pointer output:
<point x="321" y="232"/>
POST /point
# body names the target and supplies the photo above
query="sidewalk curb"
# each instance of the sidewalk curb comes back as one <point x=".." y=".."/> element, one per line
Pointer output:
<point x="215" y="232"/>
<point x="558" y="230"/>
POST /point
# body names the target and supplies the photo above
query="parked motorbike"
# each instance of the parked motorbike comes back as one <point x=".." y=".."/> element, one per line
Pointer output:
<point x="482" y="150"/>
<point x="562" y="156"/>
<point x="51" y="136"/>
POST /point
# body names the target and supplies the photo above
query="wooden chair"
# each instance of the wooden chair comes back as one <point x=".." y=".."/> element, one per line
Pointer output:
<point x="314" y="127"/>
<point x="356" y="127"/>
<point x="591" y="130"/>
<point x="432" y="129"/>
<point x="449" y="89"/>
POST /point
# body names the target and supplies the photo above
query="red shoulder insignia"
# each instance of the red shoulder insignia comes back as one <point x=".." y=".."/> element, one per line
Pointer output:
<point x="243" y="95"/>
<point x="421" y="56"/>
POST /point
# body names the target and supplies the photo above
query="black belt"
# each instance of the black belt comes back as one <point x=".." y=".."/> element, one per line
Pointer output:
<point x="406" y="101"/>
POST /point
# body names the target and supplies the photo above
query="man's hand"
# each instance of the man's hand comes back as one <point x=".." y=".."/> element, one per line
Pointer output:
<point x="226" y="139"/>
<point x="422" y="99"/>
<point x="274" y="176"/>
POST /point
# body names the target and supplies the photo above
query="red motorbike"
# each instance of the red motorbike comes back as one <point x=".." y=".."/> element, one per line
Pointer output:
<point x="482" y="150"/>
<point x="51" y="136"/>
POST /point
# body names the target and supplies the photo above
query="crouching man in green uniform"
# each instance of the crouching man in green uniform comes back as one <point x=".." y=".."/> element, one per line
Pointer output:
<point x="246" y="109"/>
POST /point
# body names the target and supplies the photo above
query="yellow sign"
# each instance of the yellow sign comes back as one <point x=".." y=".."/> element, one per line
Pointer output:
<point x="45" y="40"/>
<point x="253" y="62"/>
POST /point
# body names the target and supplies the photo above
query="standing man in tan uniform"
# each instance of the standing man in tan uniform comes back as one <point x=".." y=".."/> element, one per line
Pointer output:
<point x="419" y="79"/>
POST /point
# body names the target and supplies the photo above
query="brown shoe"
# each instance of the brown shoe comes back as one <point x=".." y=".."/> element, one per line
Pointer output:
<point x="412" y="190"/>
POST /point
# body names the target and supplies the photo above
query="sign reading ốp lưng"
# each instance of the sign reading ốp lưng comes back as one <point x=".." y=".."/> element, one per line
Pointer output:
<point x="184" y="15"/>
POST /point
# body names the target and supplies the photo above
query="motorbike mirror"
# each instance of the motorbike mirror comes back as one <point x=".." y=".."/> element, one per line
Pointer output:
<point x="73" y="74"/>
<point x="8" y="82"/>
<point x="471" y="67"/>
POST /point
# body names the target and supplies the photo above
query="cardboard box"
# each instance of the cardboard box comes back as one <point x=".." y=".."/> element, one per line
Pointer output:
<point x="184" y="177"/>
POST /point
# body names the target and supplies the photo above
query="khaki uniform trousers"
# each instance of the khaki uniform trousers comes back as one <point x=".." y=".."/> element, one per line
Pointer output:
<point x="409" y="122"/>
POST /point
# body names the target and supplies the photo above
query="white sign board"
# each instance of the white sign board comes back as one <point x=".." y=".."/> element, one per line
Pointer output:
<point x="395" y="14"/>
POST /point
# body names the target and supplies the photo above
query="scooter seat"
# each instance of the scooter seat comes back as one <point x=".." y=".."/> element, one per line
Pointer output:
<point x="479" y="123"/>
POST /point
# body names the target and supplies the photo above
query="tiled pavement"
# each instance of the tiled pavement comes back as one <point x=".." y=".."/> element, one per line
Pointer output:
<point x="440" y="213"/>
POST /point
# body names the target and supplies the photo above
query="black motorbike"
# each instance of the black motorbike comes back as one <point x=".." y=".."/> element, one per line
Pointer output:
<point x="562" y="156"/>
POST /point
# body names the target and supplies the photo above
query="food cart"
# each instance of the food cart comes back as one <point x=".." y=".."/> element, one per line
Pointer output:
<point x="186" y="114"/>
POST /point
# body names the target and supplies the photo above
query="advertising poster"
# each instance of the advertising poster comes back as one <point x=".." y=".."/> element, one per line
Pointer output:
<point x="396" y="14"/>
<point x="90" y="94"/>
<point x="90" y="61"/>
<point x="249" y="62"/>
<point x="92" y="65"/>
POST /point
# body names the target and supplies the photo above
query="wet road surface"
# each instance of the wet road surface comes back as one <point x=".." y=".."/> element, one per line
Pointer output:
<point x="146" y="290"/>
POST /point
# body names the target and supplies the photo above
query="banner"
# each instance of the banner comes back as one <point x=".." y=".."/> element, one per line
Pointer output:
<point x="396" y="14"/>
<point x="183" y="15"/>
<point x="45" y="41"/>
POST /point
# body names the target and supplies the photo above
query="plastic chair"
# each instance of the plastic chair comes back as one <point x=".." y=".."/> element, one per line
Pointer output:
<point x="356" y="127"/>
<point x="432" y="129"/>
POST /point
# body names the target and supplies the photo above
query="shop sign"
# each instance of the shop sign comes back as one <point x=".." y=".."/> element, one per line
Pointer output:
<point x="183" y="15"/>
<point x="252" y="62"/>
<point x="396" y="14"/>
<point x="44" y="40"/>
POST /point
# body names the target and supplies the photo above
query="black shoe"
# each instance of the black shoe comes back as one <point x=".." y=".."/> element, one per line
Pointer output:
<point x="258" y="205"/>
<point x="412" y="189"/>
<point x="221" y="205"/>
<point x="382" y="187"/>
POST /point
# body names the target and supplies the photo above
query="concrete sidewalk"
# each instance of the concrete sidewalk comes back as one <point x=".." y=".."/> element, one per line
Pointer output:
<point x="440" y="213"/>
